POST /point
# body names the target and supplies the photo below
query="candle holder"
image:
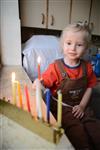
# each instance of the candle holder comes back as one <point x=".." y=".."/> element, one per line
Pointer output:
<point x="25" y="119"/>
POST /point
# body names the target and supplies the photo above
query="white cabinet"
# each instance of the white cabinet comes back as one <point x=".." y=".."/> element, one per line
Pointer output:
<point x="80" y="10"/>
<point x="87" y="10"/>
<point x="95" y="16"/>
<point x="33" y="13"/>
<point x="52" y="14"/>
<point x="58" y="14"/>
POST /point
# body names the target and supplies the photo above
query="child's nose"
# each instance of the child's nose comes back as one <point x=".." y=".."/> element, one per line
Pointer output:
<point x="73" y="47"/>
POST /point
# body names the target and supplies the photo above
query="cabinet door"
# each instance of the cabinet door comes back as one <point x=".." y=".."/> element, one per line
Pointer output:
<point x="58" y="14"/>
<point x="95" y="17"/>
<point x="80" y="10"/>
<point x="33" y="13"/>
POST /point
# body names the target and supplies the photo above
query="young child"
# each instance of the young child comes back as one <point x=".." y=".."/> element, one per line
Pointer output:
<point x="75" y="78"/>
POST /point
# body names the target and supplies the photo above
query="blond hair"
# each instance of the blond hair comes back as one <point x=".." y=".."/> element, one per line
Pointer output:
<point x="77" y="27"/>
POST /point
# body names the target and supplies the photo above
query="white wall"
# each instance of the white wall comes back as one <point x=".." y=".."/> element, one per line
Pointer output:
<point x="10" y="32"/>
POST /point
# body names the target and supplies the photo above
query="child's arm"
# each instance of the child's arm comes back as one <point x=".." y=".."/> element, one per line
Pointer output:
<point x="86" y="98"/>
<point x="78" y="110"/>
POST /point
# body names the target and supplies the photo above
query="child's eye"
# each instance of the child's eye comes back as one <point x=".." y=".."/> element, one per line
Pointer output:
<point x="68" y="43"/>
<point x="79" y="45"/>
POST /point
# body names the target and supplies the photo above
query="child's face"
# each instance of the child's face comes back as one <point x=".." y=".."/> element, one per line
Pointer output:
<point x="74" y="45"/>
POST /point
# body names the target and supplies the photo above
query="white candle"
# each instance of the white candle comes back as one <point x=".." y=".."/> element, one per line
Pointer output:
<point x="38" y="99"/>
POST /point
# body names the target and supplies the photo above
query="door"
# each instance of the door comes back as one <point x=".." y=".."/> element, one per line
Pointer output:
<point x="58" y="14"/>
<point x="95" y="16"/>
<point x="33" y="13"/>
<point x="80" y="10"/>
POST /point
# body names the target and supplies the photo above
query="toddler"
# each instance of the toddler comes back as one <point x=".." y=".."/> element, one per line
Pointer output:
<point x="75" y="78"/>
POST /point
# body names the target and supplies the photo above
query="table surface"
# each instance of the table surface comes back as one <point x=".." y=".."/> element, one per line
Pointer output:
<point x="12" y="135"/>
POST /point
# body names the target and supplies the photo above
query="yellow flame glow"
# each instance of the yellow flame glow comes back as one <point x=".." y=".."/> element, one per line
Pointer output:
<point x="13" y="76"/>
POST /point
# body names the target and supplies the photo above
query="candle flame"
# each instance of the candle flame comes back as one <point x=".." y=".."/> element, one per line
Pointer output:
<point x="39" y="59"/>
<point x="13" y="76"/>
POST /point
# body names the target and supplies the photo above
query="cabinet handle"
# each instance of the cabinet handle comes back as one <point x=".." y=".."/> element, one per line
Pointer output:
<point x="52" y="20"/>
<point x="43" y="18"/>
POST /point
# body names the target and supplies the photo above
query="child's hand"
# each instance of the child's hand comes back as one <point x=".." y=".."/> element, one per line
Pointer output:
<point x="36" y="81"/>
<point x="77" y="111"/>
<point x="34" y="84"/>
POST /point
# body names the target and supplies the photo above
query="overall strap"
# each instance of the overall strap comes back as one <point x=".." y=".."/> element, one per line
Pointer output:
<point x="84" y="68"/>
<point x="63" y="72"/>
<point x="61" y="68"/>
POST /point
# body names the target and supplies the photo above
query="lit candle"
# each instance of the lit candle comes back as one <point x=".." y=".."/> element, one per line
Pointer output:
<point x="59" y="113"/>
<point x="13" y="88"/>
<point x="39" y="70"/>
<point x="48" y="95"/>
<point x="27" y="98"/>
<point x="38" y="99"/>
<point x="19" y="94"/>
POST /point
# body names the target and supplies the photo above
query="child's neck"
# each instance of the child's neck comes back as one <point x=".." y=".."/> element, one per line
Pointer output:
<point x="71" y="62"/>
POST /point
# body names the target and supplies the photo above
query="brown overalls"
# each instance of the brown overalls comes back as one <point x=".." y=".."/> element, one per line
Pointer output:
<point x="83" y="133"/>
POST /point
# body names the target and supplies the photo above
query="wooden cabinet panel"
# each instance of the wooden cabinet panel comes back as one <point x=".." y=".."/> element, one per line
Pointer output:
<point x="33" y="13"/>
<point x="80" y="10"/>
<point x="52" y="14"/>
<point x="58" y="14"/>
<point x="95" y="16"/>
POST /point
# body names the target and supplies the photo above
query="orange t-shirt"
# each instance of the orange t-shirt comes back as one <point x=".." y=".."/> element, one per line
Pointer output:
<point x="52" y="76"/>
